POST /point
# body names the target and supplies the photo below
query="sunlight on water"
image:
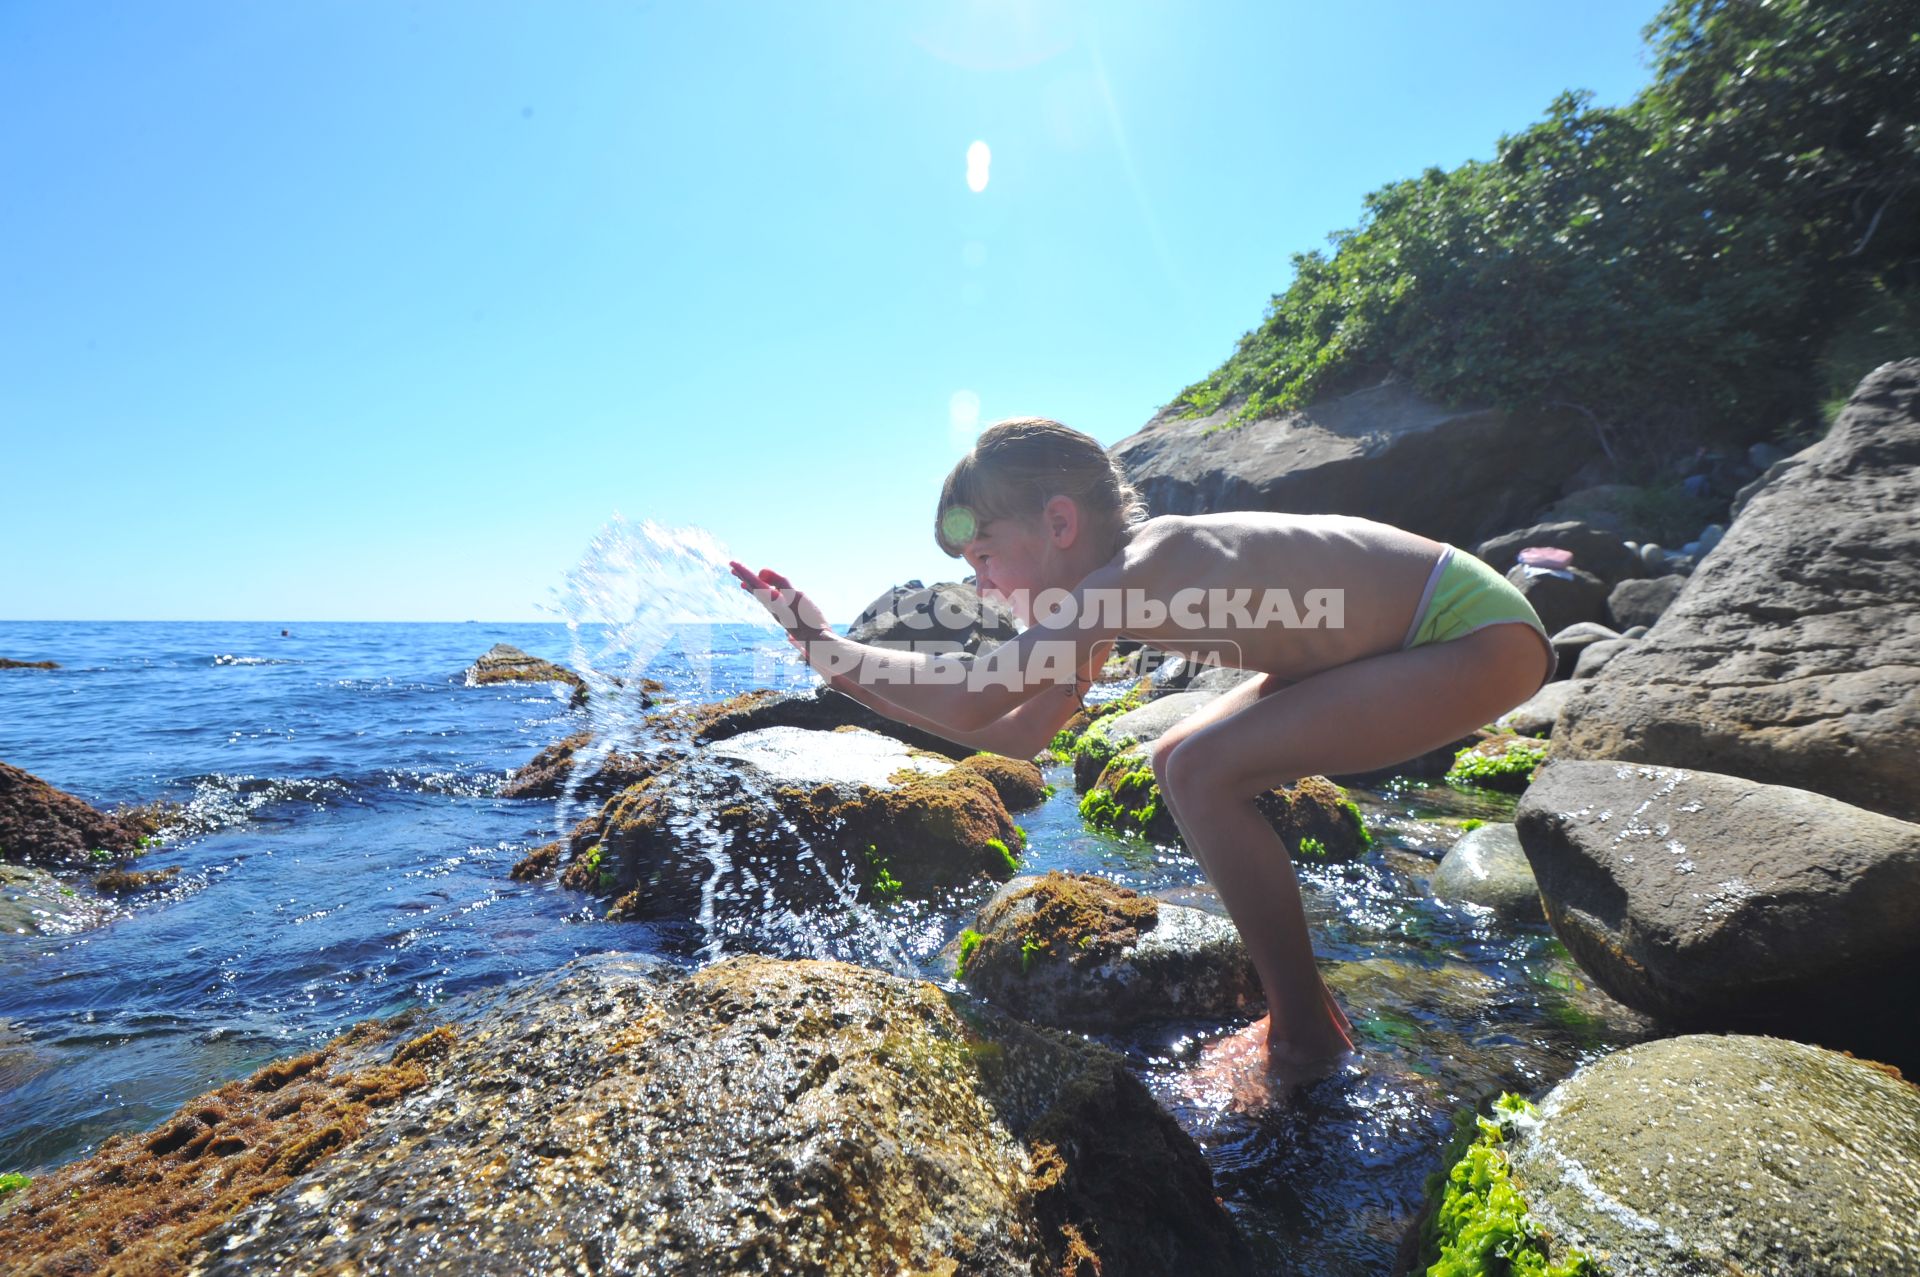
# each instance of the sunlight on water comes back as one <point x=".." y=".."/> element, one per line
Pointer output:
<point x="643" y="595"/>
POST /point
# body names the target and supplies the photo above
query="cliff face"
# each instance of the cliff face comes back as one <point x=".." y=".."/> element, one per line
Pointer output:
<point x="1384" y="453"/>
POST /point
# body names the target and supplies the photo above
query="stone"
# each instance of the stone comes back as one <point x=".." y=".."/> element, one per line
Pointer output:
<point x="44" y="826"/>
<point x="755" y="1116"/>
<point x="1640" y="602"/>
<point x="505" y="663"/>
<point x="548" y="773"/>
<point x="1715" y="902"/>
<point x="1371" y="453"/>
<point x="1559" y="600"/>
<point x="1792" y="656"/>
<point x="949" y="616"/>
<point x="1488" y="868"/>
<point x="1535" y="716"/>
<point x="1594" y="656"/>
<point x="1076" y="951"/>
<point x="1709" y="1154"/>
<point x="788" y="814"/>
<point x="35" y="903"/>
<point x="1597" y="550"/>
<point x="1156" y="718"/>
<point x="6" y="664"/>
<point x="1607" y="506"/>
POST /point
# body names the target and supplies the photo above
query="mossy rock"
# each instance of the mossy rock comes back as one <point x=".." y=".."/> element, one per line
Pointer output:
<point x="1017" y="781"/>
<point x="1076" y="951"/>
<point x="916" y="833"/>
<point x="505" y="663"/>
<point x="1505" y="761"/>
<point x="1315" y="818"/>
<point x="548" y="773"/>
<point x="757" y="1116"/>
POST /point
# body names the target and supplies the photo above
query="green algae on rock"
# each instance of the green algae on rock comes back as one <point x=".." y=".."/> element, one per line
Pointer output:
<point x="1506" y="762"/>
<point x="1077" y="951"/>
<point x="1315" y="818"/>
<point x="757" y="1116"/>
<point x="1482" y="1227"/>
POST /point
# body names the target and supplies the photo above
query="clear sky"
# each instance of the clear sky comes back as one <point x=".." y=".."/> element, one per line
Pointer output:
<point x="380" y="310"/>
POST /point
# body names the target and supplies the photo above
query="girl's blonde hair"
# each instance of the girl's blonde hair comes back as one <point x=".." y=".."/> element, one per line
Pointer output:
<point x="1017" y="466"/>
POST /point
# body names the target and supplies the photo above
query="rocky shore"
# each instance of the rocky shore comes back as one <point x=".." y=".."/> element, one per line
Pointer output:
<point x="1711" y="808"/>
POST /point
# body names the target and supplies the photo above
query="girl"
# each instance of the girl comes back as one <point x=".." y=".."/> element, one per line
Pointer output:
<point x="1373" y="645"/>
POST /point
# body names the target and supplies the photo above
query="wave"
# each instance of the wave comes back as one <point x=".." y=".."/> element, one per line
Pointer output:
<point x="224" y="659"/>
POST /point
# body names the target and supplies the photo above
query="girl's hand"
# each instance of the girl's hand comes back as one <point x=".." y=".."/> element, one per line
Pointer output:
<point x="794" y="611"/>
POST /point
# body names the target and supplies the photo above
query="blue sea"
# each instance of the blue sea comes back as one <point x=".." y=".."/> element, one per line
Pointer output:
<point x="347" y="856"/>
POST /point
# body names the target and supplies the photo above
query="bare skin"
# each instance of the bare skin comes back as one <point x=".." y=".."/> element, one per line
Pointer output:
<point x="1334" y="699"/>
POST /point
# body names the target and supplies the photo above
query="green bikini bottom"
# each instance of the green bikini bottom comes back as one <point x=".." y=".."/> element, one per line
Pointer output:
<point x="1464" y="594"/>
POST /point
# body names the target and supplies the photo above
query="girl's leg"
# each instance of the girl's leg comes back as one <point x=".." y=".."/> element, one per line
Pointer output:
<point x="1370" y="713"/>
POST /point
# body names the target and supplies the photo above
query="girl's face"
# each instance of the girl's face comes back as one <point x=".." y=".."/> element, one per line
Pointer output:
<point x="1010" y="558"/>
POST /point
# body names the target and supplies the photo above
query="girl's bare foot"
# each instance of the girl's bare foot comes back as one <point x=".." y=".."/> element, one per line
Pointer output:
<point x="1245" y="1070"/>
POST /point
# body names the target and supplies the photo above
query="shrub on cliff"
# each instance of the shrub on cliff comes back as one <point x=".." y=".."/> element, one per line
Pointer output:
<point x="1667" y="269"/>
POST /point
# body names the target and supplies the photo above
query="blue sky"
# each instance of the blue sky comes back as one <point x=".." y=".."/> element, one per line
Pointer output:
<point x="379" y="311"/>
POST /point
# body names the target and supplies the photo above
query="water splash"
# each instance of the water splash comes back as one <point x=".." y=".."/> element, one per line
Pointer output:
<point x="645" y="601"/>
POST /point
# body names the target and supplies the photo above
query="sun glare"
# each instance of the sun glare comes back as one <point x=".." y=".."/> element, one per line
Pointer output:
<point x="979" y="157"/>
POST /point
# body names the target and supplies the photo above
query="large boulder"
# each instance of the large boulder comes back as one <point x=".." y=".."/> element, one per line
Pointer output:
<point x="948" y="616"/>
<point x="757" y="1116"/>
<point x="45" y="826"/>
<point x="1715" y="902"/>
<point x="1793" y="654"/>
<point x="1598" y="550"/>
<point x="1535" y="716"/>
<point x="551" y="772"/>
<point x="1079" y="952"/>
<point x="788" y="815"/>
<point x="1720" y="1155"/>
<point x="1372" y="453"/>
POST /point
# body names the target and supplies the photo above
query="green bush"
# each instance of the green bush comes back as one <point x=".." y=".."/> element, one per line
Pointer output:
<point x="1665" y="272"/>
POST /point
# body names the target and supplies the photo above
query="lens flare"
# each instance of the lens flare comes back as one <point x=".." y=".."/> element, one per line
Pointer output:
<point x="979" y="159"/>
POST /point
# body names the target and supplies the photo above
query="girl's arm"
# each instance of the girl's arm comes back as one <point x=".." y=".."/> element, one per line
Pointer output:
<point x="954" y="696"/>
<point x="1022" y="734"/>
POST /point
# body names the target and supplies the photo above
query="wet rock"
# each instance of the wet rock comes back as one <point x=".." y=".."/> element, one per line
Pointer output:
<point x="1223" y="678"/>
<point x="820" y="710"/>
<point x="757" y="1116"/>
<point x="792" y="813"/>
<point x="1598" y="550"/>
<point x="1561" y="601"/>
<point x="1370" y="453"/>
<point x="127" y="882"/>
<point x="949" y="616"/>
<point x="1076" y="951"/>
<point x="1488" y="868"/>
<point x="1594" y="656"/>
<point x="144" y="1203"/>
<point x="1708" y="1154"/>
<point x="1151" y="721"/>
<point x="1715" y="902"/>
<point x="6" y="664"/>
<point x="505" y="663"/>
<point x="1017" y="781"/>
<point x="48" y="827"/>
<point x="1535" y="717"/>
<point x="1502" y="761"/>
<point x="548" y="773"/>
<point x="1792" y="656"/>
<point x="1315" y="818"/>
<point x="1641" y="602"/>
<point x="35" y="903"/>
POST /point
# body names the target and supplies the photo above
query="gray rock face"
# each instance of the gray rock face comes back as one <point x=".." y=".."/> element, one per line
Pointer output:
<point x="1598" y="550"/>
<point x="1717" y="902"/>
<point x="1793" y="654"/>
<point x="1561" y="601"/>
<point x="1594" y="656"/>
<point x="755" y="1117"/>
<point x="949" y="616"/>
<point x="35" y="903"/>
<point x="1720" y="1155"/>
<point x="1371" y="453"/>
<point x="1535" y="716"/>
<point x="1178" y="963"/>
<point x="1642" y="601"/>
<point x="1156" y="718"/>
<point x="1488" y="868"/>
